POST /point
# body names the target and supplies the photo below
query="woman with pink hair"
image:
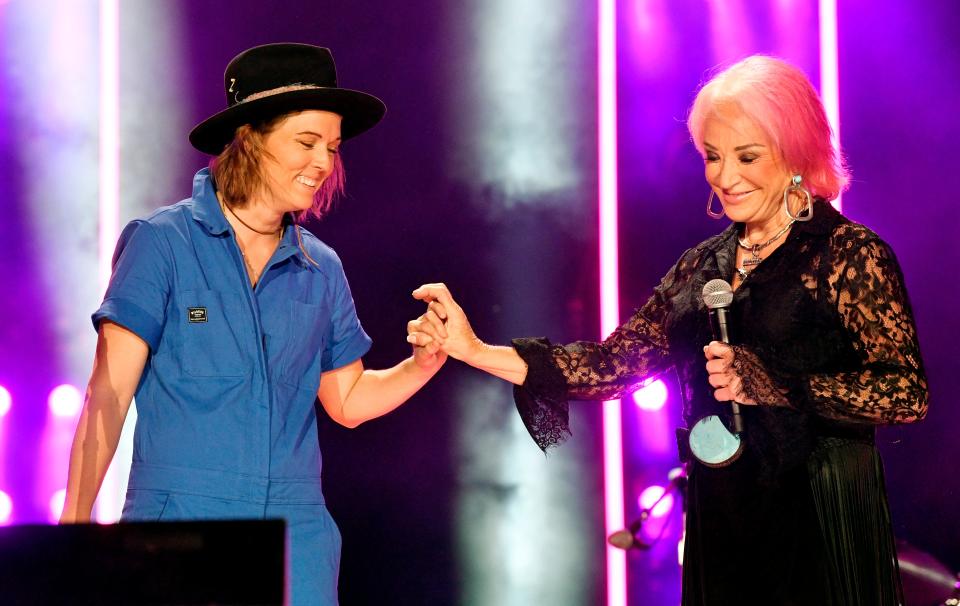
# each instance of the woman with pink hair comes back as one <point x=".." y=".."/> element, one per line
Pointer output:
<point x="786" y="500"/>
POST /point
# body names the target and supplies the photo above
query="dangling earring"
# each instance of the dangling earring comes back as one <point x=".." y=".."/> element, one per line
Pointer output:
<point x="795" y="185"/>
<point x="710" y="211"/>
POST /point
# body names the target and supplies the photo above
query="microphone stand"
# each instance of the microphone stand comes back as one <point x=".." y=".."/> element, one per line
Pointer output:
<point x="628" y="538"/>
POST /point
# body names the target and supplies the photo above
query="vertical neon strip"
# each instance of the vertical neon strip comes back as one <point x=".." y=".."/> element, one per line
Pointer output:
<point x="109" y="176"/>
<point x="109" y="136"/>
<point x="6" y="403"/>
<point x="609" y="292"/>
<point x="830" y="71"/>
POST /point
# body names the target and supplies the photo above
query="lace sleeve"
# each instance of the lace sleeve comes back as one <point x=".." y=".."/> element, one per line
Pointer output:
<point x="591" y="371"/>
<point x="756" y="383"/>
<point x="866" y="286"/>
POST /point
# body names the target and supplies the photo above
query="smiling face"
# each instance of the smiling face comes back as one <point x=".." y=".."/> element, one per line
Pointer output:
<point x="299" y="154"/>
<point x="743" y="168"/>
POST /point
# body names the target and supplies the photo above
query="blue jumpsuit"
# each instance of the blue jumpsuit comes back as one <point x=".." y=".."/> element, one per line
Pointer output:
<point x="226" y="424"/>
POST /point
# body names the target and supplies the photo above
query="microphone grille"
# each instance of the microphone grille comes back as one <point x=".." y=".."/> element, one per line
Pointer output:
<point x="717" y="293"/>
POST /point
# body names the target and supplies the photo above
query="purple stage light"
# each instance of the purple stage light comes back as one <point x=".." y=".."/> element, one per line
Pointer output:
<point x="6" y="509"/>
<point x="830" y="72"/>
<point x="650" y="496"/>
<point x="6" y="401"/>
<point x="613" y="493"/>
<point x="56" y="505"/>
<point x="652" y="395"/>
<point x="65" y="401"/>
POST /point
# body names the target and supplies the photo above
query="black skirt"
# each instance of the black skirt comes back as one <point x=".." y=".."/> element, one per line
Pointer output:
<point x="816" y="535"/>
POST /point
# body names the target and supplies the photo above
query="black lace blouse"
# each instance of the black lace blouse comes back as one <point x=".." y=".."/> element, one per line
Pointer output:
<point x="825" y="343"/>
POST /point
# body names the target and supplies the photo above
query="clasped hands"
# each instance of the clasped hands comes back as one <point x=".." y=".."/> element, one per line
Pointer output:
<point x="445" y="330"/>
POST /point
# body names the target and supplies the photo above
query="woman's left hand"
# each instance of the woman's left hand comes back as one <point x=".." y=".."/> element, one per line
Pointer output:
<point x="728" y="386"/>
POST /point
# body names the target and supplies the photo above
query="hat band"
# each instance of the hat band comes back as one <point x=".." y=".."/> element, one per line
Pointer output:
<point x="277" y="91"/>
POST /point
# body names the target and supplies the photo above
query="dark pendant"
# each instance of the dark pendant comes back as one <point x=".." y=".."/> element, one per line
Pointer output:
<point x="754" y="259"/>
<point x="752" y="262"/>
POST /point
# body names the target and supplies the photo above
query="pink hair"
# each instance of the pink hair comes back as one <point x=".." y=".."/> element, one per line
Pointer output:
<point x="779" y="98"/>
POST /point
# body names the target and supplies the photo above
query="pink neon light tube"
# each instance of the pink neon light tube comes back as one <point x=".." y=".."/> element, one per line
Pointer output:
<point x="830" y="71"/>
<point x="609" y="293"/>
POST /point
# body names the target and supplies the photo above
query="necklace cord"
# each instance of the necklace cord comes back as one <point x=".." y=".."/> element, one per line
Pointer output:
<point x="755" y="248"/>
<point x="278" y="231"/>
<point x="297" y="231"/>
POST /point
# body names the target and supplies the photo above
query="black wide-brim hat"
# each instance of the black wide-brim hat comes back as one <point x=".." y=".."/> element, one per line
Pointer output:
<point x="267" y="81"/>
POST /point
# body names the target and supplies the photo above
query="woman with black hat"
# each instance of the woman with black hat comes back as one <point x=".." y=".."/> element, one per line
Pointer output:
<point x="226" y="319"/>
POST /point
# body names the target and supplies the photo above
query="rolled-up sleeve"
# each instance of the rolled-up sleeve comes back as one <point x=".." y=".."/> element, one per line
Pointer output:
<point x="140" y="285"/>
<point x="346" y="340"/>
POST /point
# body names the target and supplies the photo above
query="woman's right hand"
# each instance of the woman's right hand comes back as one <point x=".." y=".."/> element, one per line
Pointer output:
<point x="444" y="323"/>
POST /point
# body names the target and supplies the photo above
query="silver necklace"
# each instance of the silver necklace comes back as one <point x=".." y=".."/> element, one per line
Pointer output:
<point x="748" y="265"/>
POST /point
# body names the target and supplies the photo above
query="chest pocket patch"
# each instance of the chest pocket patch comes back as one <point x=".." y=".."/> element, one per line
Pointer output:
<point x="295" y="340"/>
<point x="196" y="314"/>
<point x="210" y="347"/>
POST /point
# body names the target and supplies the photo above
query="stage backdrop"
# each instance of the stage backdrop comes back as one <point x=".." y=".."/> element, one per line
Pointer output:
<point x="482" y="175"/>
<point x="898" y="98"/>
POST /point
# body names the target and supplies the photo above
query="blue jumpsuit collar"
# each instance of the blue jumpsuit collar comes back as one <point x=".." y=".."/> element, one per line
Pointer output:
<point x="206" y="207"/>
<point x="206" y="211"/>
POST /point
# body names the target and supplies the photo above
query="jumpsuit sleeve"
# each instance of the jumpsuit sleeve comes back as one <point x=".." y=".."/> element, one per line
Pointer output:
<point x="140" y="284"/>
<point x="346" y="340"/>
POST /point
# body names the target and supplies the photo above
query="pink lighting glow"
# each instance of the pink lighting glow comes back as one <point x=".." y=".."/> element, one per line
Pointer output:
<point x="65" y="401"/>
<point x="609" y="293"/>
<point x="649" y="36"/>
<point x="830" y="72"/>
<point x="650" y="496"/>
<point x="56" y="505"/>
<point x="6" y="401"/>
<point x="6" y="509"/>
<point x="729" y="39"/>
<point x="651" y="396"/>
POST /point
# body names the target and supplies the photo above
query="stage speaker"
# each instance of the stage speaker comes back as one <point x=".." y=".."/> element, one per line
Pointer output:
<point x="237" y="563"/>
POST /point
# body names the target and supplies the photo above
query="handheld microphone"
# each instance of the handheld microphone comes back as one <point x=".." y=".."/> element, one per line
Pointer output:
<point x="717" y="296"/>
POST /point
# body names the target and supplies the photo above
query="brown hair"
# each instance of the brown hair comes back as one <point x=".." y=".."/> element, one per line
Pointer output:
<point x="238" y="170"/>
